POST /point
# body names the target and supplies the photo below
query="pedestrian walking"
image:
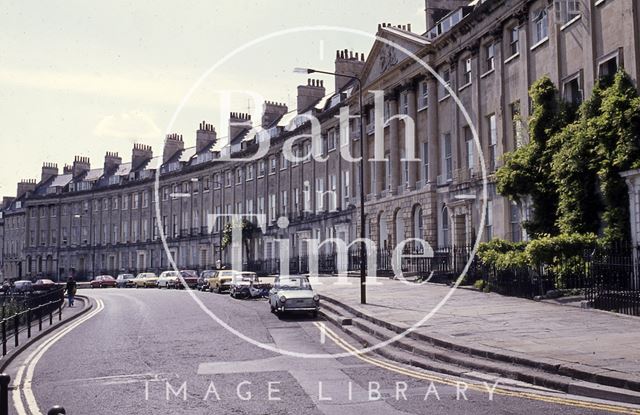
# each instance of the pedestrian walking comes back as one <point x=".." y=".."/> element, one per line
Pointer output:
<point x="71" y="290"/>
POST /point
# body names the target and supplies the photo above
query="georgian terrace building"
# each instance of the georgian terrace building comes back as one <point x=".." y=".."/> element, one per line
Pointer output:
<point x="92" y="220"/>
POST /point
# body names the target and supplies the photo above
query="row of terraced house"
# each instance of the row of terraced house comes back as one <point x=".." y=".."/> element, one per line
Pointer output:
<point x="86" y="219"/>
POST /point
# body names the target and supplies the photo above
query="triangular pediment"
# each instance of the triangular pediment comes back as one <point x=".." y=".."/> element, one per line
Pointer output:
<point x="384" y="56"/>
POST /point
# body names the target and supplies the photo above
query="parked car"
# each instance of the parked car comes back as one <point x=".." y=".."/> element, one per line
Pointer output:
<point x="221" y="281"/>
<point x="102" y="281"/>
<point x="145" y="280"/>
<point x="168" y="279"/>
<point x="125" y="280"/>
<point x="204" y="279"/>
<point x="293" y="293"/>
<point x="44" y="284"/>
<point x="248" y="285"/>
<point x="190" y="278"/>
<point x="23" y="286"/>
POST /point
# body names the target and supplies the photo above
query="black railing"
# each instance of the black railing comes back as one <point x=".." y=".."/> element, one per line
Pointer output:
<point x="608" y="278"/>
<point x="28" y="312"/>
<point x="614" y="280"/>
<point x="4" y="398"/>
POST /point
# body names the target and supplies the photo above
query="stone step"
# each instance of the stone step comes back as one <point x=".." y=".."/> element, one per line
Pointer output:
<point x="427" y="356"/>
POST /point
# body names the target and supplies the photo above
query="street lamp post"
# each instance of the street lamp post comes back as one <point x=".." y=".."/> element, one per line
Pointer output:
<point x="363" y="254"/>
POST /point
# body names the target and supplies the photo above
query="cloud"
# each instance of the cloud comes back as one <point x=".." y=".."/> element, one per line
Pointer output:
<point x="131" y="125"/>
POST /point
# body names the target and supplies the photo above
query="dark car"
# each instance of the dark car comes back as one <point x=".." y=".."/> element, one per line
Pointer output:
<point x="44" y="285"/>
<point x="125" y="280"/>
<point x="102" y="281"/>
<point x="203" y="280"/>
<point x="23" y="286"/>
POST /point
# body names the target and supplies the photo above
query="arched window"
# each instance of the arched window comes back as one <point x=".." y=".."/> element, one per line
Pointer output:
<point x="418" y="224"/>
<point x="383" y="233"/>
<point x="367" y="227"/>
<point x="399" y="227"/>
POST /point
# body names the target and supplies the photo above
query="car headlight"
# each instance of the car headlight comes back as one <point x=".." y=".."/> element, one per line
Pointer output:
<point x="316" y="298"/>
<point x="283" y="299"/>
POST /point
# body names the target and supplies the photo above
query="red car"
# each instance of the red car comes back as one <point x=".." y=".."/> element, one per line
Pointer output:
<point x="102" y="281"/>
<point x="44" y="285"/>
<point x="190" y="279"/>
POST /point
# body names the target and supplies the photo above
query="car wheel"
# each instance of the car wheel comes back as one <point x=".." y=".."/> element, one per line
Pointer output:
<point x="273" y="309"/>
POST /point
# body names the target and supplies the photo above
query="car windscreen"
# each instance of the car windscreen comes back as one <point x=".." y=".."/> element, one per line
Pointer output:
<point x="293" y="284"/>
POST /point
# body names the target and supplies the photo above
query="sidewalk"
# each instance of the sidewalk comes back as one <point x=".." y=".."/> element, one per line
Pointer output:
<point x="588" y="340"/>
<point x="82" y="305"/>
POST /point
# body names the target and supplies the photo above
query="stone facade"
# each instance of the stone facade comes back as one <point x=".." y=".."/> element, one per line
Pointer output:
<point x="86" y="221"/>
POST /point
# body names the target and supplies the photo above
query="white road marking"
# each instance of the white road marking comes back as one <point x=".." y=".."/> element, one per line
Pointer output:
<point x="24" y="387"/>
<point x="323" y="332"/>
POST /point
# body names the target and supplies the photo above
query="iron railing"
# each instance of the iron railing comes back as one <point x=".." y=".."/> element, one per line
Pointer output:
<point x="4" y="398"/>
<point x="22" y="313"/>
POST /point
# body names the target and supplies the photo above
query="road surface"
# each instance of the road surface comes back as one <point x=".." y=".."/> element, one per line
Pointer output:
<point x="150" y="351"/>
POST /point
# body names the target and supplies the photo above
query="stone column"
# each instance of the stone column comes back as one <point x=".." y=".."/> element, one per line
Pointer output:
<point x="433" y="138"/>
<point x="394" y="146"/>
<point x="380" y="168"/>
<point x="414" y="166"/>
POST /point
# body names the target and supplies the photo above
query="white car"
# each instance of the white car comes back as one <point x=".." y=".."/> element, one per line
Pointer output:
<point x="169" y="279"/>
<point x="293" y="293"/>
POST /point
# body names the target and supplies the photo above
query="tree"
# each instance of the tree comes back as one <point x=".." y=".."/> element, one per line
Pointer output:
<point x="249" y="231"/>
<point x="527" y="170"/>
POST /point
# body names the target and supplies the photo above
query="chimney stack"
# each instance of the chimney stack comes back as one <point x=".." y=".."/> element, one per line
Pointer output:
<point x="206" y="136"/>
<point x="310" y="94"/>
<point x="67" y="169"/>
<point x="49" y="170"/>
<point x="172" y="144"/>
<point x="25" y="187"/>
<point x="140" y="155"/>
<point x="238" y="123"/>
<point x="80" y="166"/>
<point x="111" y="162"/>
<point x="272" y="112"/>
<point x="347" y="63"/>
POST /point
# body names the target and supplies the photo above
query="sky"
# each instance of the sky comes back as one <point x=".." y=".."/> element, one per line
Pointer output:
<point x="80" y="78"/>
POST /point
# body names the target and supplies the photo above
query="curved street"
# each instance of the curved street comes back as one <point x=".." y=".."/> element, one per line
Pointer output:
<point x="149" y="351"/>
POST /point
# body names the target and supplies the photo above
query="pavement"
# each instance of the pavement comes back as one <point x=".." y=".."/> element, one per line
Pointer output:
<point x="588" y="342"/>
<point x="137" y="348"/>
<point x="40" y="329"/>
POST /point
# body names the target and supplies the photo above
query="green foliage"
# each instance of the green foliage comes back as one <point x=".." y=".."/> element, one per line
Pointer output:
<point x="479" y="285"/>
<point x="617" y="129"/>
<point x="526" y="171"/>
<point x="249" y="230"/>
<point x="502" y="254"/>
<point x="571" y="169"/>
<point x="562" y="255"/>
<point x="575" y="175"/>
